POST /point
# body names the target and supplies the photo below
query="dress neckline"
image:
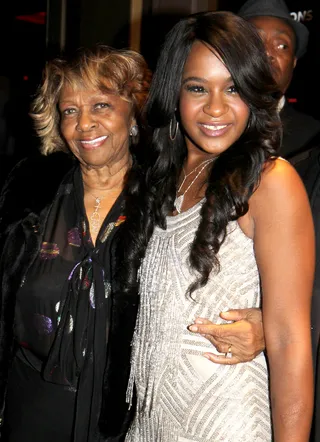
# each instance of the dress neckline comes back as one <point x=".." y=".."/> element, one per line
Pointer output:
<point x="171" y="219"/>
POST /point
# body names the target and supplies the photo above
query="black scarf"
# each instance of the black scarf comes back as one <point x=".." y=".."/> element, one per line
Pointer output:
<point x="77" y="357"/>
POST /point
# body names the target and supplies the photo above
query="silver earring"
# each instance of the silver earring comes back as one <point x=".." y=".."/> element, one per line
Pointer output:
<point x="134" y="131"/>
<point x="174" y="124"/>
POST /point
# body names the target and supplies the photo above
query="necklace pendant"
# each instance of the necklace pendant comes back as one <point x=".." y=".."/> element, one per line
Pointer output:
<point x="178" y="203"/>
<point x="95" y="217"/>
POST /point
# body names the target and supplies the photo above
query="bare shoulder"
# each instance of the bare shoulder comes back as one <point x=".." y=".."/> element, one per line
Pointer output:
<point x="280" y="175"/>
<point x="280" y="188"/>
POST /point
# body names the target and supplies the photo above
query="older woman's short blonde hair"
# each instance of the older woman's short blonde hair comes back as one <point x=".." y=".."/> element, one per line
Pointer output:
<point x="123" y="72"/>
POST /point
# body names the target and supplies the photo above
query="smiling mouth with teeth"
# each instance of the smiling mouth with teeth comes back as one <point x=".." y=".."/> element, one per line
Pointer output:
<point x="214" y="127"/>
<point x="95" y="141"/>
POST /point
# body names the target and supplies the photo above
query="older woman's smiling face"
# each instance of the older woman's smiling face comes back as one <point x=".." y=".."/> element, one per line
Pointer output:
<point x="95" y="125"/>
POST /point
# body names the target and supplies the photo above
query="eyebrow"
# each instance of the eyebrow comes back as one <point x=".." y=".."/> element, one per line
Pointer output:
<point x="93" y="98"/>
<point x="202" y="80"/>
<point x="281" y="33"/>
<point x="65" y="101"/>
<point x="277" y="32"/>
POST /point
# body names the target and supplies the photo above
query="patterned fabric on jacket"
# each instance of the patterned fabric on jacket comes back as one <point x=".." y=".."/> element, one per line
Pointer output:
<point x="25" y="203"/>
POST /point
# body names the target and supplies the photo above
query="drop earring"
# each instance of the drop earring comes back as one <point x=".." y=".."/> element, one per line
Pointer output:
<point x="134" y="131"/>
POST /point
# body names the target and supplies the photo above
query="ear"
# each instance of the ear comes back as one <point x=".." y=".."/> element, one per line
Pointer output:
<point x="133" y="121"/>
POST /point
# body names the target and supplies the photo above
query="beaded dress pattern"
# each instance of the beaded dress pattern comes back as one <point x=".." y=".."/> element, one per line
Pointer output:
<point x="182" y="396"/>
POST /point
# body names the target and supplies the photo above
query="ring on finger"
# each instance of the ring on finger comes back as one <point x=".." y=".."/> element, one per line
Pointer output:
<point x="229" y="353"/>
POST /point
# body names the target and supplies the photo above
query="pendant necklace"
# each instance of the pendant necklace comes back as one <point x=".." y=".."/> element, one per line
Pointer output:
<point x="179" y="199"/>
<point x="95" y="218"/>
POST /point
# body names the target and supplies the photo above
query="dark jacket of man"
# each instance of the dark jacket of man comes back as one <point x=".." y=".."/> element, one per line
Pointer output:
<point x="299" y="131"/>
<point x="301" y="146"/>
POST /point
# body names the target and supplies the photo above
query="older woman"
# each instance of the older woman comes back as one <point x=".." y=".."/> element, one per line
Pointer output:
<point x="58" y="218"/>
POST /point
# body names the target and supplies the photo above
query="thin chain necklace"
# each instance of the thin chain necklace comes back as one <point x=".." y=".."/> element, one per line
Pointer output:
<point x="190" y="173"/>
<point x="95" y="218"/>
<point x="178" y="202"/>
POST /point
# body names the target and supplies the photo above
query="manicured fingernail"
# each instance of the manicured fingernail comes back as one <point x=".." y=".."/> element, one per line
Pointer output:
<point x="198" y="321"/>
<point x="193" y="328"/>
<point x="206" y="356"/>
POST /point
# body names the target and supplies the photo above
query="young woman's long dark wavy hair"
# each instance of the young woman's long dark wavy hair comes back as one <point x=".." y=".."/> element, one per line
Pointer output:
<point x="234" y="175"/>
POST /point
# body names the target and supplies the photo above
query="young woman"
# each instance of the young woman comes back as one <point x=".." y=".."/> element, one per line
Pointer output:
<point x="224" y="215"/>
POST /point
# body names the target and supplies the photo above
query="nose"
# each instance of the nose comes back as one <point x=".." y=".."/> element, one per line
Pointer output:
<point x="270" y="52"/>
<point x="271" y="58"/>
<point x="86" y="121"/>
<point x="215" y="106"/>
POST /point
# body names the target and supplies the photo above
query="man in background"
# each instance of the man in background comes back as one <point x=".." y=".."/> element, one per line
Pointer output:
<point x="286" y="42"/>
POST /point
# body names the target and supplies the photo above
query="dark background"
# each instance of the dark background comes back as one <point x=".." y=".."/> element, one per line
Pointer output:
<point x="31" y="30"/>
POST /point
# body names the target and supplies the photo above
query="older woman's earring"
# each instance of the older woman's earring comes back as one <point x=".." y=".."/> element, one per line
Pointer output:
<point x="134" y="131"/>
<point x="173" y="128"/>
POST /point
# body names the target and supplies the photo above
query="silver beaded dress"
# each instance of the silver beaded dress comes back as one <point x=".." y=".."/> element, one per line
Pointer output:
<point x="182" y="396"/>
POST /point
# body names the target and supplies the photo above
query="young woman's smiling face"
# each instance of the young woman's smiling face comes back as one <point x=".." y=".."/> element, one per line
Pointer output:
<point x="213" y="115"/>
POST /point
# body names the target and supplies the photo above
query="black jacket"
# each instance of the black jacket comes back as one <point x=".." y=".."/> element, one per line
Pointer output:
<point x="301" y="146"/>
<point x="299" y="131"/>
<point x="24" y="206"/>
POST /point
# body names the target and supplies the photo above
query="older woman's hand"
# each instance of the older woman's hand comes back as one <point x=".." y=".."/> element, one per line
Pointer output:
<point x="240" y="341"/>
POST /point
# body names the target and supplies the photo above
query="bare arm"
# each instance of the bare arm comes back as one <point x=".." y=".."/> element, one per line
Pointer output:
<point x="284" y="247"/>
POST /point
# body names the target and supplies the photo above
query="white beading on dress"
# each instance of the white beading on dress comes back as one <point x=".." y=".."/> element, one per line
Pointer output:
<point x="181" y="396"/>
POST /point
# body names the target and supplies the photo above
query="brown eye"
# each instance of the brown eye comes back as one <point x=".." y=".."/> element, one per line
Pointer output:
<point x="69" y="111"/>
<point x="195" y="88"/>
<point x="232" y="89"/>
<point x="282" y="46"/>
<point x="102" y="105"/>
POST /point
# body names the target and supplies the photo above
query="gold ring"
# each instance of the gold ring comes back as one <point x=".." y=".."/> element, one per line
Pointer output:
<point x="228" y="354"/>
